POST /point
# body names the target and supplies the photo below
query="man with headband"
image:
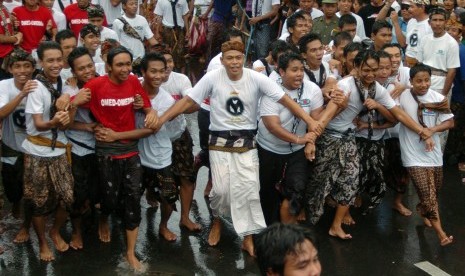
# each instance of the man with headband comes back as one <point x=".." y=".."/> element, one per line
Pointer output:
<point x="90" y="39"/>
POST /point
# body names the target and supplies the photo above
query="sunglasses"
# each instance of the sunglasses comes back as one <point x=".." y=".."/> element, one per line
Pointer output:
<point x="404" y="6"/>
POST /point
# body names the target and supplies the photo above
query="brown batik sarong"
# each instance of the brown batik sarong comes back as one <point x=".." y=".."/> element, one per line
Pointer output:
<point x="174" y="37"/>
<point x="395" y="175"/>
<point x="427" y="182"/>
<point x="182" y="157"/>
<point x="48" y="181"/>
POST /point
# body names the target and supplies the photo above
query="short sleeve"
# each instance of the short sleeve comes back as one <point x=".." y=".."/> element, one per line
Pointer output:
<point x="384" y="97"/>
<point x="344" y="86"/>
<point x="35" y="101"/>
<point x="316" y="100"/>
<point x="148" y="34"/>
<point x="158" y="8"/>
<point x="4" y="94"/>
<point x="203" y="88"/>
<point x="138" y="87"/>
<point x="453" y="57"/>
<point x="185" y="85"/>
<point x="185" y="8"/>
<point x="268" y="87"/>
<point x="269" y="107"/>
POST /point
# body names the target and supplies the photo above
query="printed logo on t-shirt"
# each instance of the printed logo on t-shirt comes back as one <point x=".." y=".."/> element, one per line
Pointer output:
<point x="176" y="97"/>
<point x="440" y="52"/>
<point x="428" y="112"/>
<point x="79" y="21"/>
<point x="19" y="118"/>
<point x="413" y="40"/>
<point x="117" y="102"/>
<point x="234" y="106"/>
<point x="304" y="102"/>
<point x="32" y="23"/>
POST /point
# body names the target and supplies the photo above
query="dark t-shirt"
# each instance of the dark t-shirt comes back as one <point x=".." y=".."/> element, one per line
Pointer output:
<point x="223" y="10"/>
<point x="369" y="14"/>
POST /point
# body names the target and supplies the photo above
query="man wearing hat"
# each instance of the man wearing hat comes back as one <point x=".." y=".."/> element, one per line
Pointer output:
<point x="97" y="17"/>
<point x="325" y="24"/>
<point x="90" y="39"/>
<point x="417" y="28"/>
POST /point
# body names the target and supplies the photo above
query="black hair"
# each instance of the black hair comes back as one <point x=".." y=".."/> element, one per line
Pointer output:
<point x="116" y="51"/>
<point x="292" y="20"/>
<point x="77" y="53"/>
<point x="383" y="54"/>
<point x="341" y="37"/>
<point x="393" y="45"/>
<point x="419" y="67"/>
<point x="47" y="45"/>
<point x="286" y="58"/>
<point x="276" y="242"/>
<point x="307" y="39"/>
<point x="363" y="56"/>
<point x="144" y="63"/>
<point x="461" y="18"/>
<point x="280" y="46"/>
<point x="438" y="10"/>
<point x="64" y="34"/>
<point x="346" y="19"/>
<point x="231" y="33"/>
<point x="352" y="47"/>
<point x="380" y="24"/>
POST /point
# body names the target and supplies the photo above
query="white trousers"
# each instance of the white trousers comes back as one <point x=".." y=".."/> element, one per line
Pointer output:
<point x="235" y="190"/>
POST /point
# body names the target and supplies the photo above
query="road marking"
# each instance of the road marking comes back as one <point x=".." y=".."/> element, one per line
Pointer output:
<point x="431" y="269"/>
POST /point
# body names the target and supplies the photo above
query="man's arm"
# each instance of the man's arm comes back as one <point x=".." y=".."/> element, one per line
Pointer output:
<point x="269" y="15"/>
<point x="383" y="13"/>
<point x="397" y="29"/>
<point x="447" y="124"/>
<point x="6" y="110"/>
<point x="108" y="135"/>
<point x="60" y="120"/>
<point x="300" y="113"/>
<point x="449" y="80"/>
<point x="179" y="107"/>
<point x="207" y="12"/>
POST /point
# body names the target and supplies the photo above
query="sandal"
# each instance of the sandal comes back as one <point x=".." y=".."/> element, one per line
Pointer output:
<point x="447" y="240"/>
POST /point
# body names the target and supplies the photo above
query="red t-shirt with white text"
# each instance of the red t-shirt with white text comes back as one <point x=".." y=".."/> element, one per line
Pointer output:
<point x="6" y="48"/>
<point x="33" y="25"/>
<point x="76" y="18"/>
<point x="112" y="104"/>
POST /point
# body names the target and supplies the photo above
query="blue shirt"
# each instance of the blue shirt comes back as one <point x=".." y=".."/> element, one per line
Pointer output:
<point x="223" y="10"/>
<point x="458" y="93"/>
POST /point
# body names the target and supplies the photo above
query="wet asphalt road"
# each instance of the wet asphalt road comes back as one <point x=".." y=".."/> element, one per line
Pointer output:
<point x="384" y="243"/>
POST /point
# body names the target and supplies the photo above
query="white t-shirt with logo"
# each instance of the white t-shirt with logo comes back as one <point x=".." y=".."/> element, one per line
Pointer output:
<point x="412" y="149"/>
<point x="38" y="102"/>
<point x="441" y="53"/>
<point x="344" y="120"/>
<point x="416" y="31"/>
<point x="14" y="126"/>
<point x="134" y="45"/>
<point x="60" y="19"/>
<point x="311" y="99"/>
<point x="111" y="12"/>
<point x="83" y="115"/>
<point x="164" y="9"/>
<point x="234" y="104"/>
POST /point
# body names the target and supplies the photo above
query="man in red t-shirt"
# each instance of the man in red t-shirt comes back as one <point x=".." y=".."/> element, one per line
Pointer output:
<point x="111" y="103"/>
<point x="34" y="22"/>
<point x="7" y="37"/>
<point x="77" y="17"/>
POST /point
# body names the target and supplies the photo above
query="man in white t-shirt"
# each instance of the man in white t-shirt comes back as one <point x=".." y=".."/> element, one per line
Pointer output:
<point x="68" y="43"/>
<point x="345" y="7"/>
<point x="263" y="12"/>
<point x="12" y="104"/>
<point x="306" y="6"/>
<point x="173" y="29"/>
<point x="234" y="93"/>
<point x="58" y="16"/>
<point x="97" y="17"/>
<point x="132" y="30"/>
<point x="90" y="39"/>
<point x="113" y="9"/>
<point x="48" y="181"/>
<point x="417" y="28"/>
<point x="60" y="5"/>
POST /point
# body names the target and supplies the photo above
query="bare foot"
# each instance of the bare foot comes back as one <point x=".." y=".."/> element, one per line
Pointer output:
<point x="134" y="263"/>
<point x="358" y="202"/>
<point x="22" y="236"/>
<point x="427" y="222"/>
<point x="58" y="241"/>
<point x="301" y="216"/>
<point x="215" y="232"/>
<point x="167" y="234"/>
<point x="190" y="225"/>
<point x="330" y="202"/>
<point x="76" y="241"/>
<point x="248" y="246"/>
<point x="104" y="230"/>
<point x="445" y="240"/>
<point x="16" y="210"/>
<point x="45" y="253"/>
<point x="339" y="233"/>
<point x="348" y="220"/>
<point x="402" y="209"/>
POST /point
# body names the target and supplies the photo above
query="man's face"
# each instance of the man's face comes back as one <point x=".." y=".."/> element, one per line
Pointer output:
<point x="448" y="5"/>
<point x="22" y="71"/>
<point x="96" y="21"/>
<point x="438" y="24"/>
<point x="415" y="10"/>
<point x="329" y="9"/>
<point x="232" y="61"/>
<point x="169" y="64"/>
<point x="455" y="32"/>
<point x="306" y="5"/>
<point x="461" y="3"/>
<point x="309" y="21"/>
<point x="121" y="67"/>
<point x="306" y="262"/>
<point x="368" y="71"/>
<point x="31" y="2"/>
<point x="47" y="3"/>
<point x="52" y="63"/>
<point x="91" y="41"/>
<point x="376" y="3"/>
<point x="83" y="3"/>
<point x="84" y="68"/>
<point x="67" y="46"/>
<point x="314" y="54"/>
<point x="350" y="28"/>
<point x="384" y="70"/>
<point x="300" y="29"/>
<point x="155" y="74"/>
<point x="396" y="57"/>
<point x="421" y="83"/>
<point x="339" y="50"/>
<point x="350" y="60"/>
<point x="293" y="76"/>
<point x="404" y="12"/>
<point x="382" y="37"/>
<point x="130" y="7"/>
<point x="344" y="6"/>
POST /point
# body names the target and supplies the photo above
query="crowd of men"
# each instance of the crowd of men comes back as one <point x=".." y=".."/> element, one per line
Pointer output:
<point x="336" y="107"/>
